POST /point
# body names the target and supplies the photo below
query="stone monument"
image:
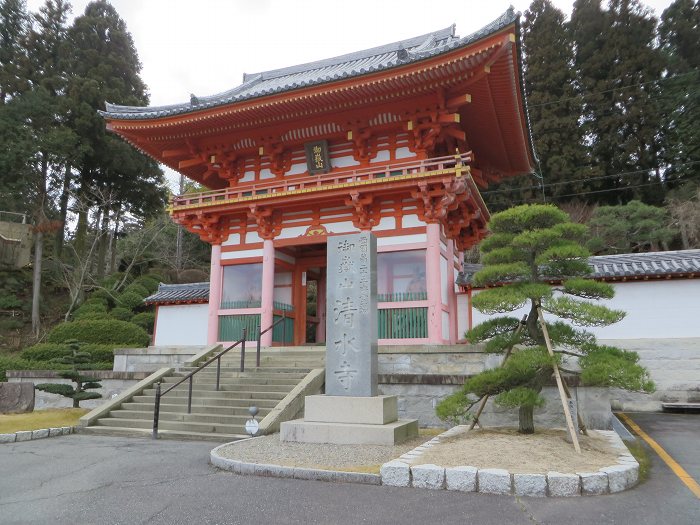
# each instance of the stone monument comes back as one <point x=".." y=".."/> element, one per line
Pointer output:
<point x="351" y="412"/>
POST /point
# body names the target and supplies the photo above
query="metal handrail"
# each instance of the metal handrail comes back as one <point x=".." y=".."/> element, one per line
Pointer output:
<point x="190" y="376"/>
<point x="260" y="333"/>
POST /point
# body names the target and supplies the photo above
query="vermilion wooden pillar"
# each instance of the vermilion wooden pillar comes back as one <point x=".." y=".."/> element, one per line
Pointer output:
<point x="214" y="295"/>
<point x="434" y="284"/>
<point x="268" y="291"/>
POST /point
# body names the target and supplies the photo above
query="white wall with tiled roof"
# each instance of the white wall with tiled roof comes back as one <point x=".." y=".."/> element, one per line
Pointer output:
<point x="181" y="324"/>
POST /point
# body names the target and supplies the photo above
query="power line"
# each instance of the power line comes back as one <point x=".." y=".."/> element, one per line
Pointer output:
<point x="601" y="177"/>
<point x="584" y="95"/>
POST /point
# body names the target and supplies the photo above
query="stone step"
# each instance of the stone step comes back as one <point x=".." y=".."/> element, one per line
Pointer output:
<point x="211" y="380"/>
<point x="227" y="410"/>
<point x="220" y="428"/>
<point x="209" y="401"/>
<point x="220" y="394"/>
<point x="228" y="387"/>
<point x="229" y="373"/>
<point x="272" y="370"/>
<point x="162" y="434"/>
<point x="181" y="416"/>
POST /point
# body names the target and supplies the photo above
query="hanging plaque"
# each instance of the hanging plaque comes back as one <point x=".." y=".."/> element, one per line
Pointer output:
<point x="317" y="158"/>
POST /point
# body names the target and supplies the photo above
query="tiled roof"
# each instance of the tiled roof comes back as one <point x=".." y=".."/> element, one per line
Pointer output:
<point x="681" y="263"/>
<point x="179" y="293"/>
<point x="322" y="71"/>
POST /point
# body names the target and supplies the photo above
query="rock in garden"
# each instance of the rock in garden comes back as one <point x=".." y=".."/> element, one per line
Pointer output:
<point x="16" y="398"/>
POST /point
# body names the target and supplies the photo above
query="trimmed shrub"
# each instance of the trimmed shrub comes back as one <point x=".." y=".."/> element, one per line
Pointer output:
<point x="107" y="331"/>
<point x="17" y="363"/>
<point x="121" y="313"/>
<point x="149" y="283"/>
<point x="130" y="300"/>
<point x="137" y="289"/>
<point x="145" y="320"/>
<point x="102" y="295"/>
<point x="90" y="315"/>
<point x="90" y="310"/>
<point x="49" y="351"/>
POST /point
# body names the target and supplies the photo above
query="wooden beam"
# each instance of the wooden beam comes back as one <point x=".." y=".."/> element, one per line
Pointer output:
<point x="449" y="118"/>
<point x="190" y="163"/>
<point x="456" y="133"/>
<point x="458" y="101"/>
<point x="169" y="153"/>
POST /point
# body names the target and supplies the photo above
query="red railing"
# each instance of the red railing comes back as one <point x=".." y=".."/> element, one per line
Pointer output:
<point x="294" y="183"/>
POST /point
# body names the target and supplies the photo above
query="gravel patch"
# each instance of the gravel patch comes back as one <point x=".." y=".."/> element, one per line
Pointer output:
<point x="538" y="453"/>
<point x="348" y="458"/>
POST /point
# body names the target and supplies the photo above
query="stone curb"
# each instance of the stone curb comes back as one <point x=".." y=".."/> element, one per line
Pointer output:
<point x="279" y="471"/>
<point x="30" y="435"/>
<point x="614" y="478"/>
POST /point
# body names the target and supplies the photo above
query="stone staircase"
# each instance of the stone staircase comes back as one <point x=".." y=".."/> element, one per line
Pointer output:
<point x="219" y="415"/>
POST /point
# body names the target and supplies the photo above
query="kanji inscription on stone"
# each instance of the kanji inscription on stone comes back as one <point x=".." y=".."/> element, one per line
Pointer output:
<point x="351" y="316"/>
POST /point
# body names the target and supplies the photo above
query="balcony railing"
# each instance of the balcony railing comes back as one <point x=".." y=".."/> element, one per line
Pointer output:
<point x="436" y="166"/>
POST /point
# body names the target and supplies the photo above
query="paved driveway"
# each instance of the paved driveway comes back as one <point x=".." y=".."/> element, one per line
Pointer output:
<point x="89" y="479"/>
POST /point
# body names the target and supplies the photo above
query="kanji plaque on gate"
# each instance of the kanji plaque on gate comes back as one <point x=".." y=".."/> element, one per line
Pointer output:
<point x="317" y="157"/>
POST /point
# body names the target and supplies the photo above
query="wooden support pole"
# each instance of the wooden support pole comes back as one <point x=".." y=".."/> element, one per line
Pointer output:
<point x="560" y="385"/>
<point x="485" y="398"/>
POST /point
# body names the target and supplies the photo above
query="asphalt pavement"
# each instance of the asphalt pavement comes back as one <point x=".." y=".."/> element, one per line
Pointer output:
<point x="111" y="480"/>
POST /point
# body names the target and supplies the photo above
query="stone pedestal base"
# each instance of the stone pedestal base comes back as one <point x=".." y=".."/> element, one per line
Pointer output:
<point x="350" y="421"/>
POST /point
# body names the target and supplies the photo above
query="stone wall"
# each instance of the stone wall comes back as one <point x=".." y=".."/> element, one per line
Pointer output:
<point x="152" y="358"/>
<point x="113" y="383"/>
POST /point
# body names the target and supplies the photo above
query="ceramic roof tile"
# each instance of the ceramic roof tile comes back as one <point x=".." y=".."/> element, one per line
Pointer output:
<point x="328" y="70"/>
<point x="625" y="265"/>
<point x="179" y="293"/>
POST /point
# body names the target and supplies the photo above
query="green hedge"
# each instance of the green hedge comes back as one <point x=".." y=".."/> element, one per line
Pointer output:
<point x="17" y="363"/>
<point x="91" y="310"/>
<point x="121" y="313"/>
<point x="130" y="300"/>
<point x="149" y="283"/>
<point x="48" y="351"/>
<point x="108" y="331"/>
<point x="145" y="320"/>
<point x="138" y="290"/>
<point x="102" y="295"/>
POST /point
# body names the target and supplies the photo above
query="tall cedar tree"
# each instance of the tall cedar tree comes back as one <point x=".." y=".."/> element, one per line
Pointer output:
<point x="530" y="246"/>
<point x="618" y="69"/>
<point x="679" y="35"/>
<point x="104" y="66"/>
<point x="14" y="24"/>
<point x="553" y="102"/>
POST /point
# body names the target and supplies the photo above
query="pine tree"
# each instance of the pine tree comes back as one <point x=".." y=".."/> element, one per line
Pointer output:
<point x="529" y="246"/>
<point x="79" y="392"/>
<point x="554" y="104"/>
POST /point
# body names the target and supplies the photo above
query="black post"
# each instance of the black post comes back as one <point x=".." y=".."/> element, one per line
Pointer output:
<point x="189" y="397"/>
<point x="245" y="334"/>
<point x="218" y="372"/>
<point x="284" y="327"/>
<point x="156" y="411"/>
<point x="257" y="352"/>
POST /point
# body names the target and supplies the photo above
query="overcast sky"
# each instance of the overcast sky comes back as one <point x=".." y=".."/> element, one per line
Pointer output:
<point x="205" y="46"/>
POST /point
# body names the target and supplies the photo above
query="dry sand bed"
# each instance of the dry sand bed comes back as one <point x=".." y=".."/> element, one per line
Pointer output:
<point x="541" y="452"/>
<point x="348" y="458"/>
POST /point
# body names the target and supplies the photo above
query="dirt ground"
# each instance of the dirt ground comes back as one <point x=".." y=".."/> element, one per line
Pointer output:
<point x="546" y="450"/>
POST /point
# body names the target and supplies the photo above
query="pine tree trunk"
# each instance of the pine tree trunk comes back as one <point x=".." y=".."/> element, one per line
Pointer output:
<point x="76" y="403"/>
<point x="102" y="247"/>
<point x="526" y="422"/>
<point x="113" y="242"/>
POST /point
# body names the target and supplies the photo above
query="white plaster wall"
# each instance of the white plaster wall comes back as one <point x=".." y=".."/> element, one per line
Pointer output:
<point x="382" y="156"/>
<point x="296" y="169"/>
<point x="248" y="176"/>
<point x="411" y="221"/>
<point x="233" y="240"/>
<point x="403" y="153"/>
<point x="265" y="173"/>
<point x="182" y="324"/>
<point x="340" y="227"/>
<point x="386" y="223"/>
<point x="252" y="236"/>
<point x="294" y="231"/>
<point x="240" y="254"/>
<point x="445" y="325"/>
<point x="402" y="239"/>
<point x="343" y="162"/>
<point x="655" y="309"/>
<point x="462" y="315"/>
<point x="445" y="281"/>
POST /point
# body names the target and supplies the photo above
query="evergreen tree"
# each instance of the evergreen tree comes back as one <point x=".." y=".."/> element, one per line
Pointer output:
<point x="679" y="35"/>
<point x="79" y="392"/>
<point x="618" y="69"/>
<point x="530" y="246"/>
<point x="554" y="104"/>
<point x="14" y="24"/>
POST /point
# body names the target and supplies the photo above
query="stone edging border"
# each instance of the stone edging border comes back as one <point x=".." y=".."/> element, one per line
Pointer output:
<point x="28" y="435"/>
<point x="278" y="471"/>
<point x="607" y="480"/>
